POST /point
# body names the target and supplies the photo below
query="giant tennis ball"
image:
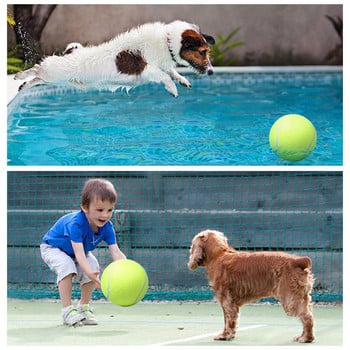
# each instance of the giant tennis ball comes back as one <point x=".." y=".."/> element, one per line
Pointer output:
<point x="124" y="282"/>
<point x="293" y="137"/>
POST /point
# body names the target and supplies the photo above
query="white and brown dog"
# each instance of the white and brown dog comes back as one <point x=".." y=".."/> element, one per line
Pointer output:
<point x="145" y="54"/>
<point x="239" y="277"/>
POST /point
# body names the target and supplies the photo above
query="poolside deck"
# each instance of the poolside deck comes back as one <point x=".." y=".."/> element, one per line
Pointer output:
<point x="12" y="87"/>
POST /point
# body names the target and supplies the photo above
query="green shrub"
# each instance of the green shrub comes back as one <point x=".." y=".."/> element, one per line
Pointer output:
<point x="221" y="51"/>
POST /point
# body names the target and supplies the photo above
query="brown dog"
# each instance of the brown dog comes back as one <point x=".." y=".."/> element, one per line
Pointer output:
<point x="238" y="278"/>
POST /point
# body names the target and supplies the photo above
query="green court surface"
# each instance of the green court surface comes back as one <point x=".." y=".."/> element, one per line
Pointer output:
<point x="168" y="324"/>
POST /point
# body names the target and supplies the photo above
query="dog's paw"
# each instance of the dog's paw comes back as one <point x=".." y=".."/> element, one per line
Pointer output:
<point x="18" y="76"/>
<point x="23" y="86"/>
<point x="224" y="336"/>
<point x="184" y="82"/>
<point x="304" y="339"/>
<point x="171" y="88"/>
<point x="179" y="78"/>
<point x="27" y="73"/>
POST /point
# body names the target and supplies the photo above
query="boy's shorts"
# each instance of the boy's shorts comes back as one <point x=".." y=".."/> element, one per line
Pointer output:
<point x="63" y="264"/>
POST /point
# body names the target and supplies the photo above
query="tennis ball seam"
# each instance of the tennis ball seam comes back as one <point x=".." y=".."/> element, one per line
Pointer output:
<point x="314" y="136"/>
<point x="145" y="282"/>
<point x="277" y="134"/>
<point x="109" y="283"/>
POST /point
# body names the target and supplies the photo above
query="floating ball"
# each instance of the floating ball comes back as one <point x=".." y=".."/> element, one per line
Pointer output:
<point x="124" y="282"/>
<point x="293" y="137"/>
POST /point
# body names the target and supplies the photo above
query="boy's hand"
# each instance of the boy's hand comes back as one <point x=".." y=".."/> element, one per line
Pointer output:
<point x="82" y="261"/>
<point x="94" y="278"/>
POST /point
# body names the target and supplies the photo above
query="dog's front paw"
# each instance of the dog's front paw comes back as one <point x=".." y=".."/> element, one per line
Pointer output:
<point x="179" y="78"/>
<point x="171" y="87"/>
<point x="224" y="336"/>
<point x="183" y="81"/>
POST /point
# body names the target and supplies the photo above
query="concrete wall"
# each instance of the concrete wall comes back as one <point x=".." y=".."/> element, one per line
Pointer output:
<point x="273" y="34"/>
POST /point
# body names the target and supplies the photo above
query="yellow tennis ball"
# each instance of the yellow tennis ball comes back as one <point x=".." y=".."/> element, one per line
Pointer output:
<point x="293" y="137"/>
<point x="124" y="282"/>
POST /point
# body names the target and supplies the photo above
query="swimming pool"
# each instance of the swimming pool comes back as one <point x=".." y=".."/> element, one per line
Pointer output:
<point x="224" y="119"/>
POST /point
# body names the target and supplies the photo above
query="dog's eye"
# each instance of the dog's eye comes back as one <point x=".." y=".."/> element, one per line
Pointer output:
<point x="203" y="52"/>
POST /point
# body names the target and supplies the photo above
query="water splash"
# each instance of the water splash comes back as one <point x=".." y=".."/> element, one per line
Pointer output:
<point x="30" y="47"/>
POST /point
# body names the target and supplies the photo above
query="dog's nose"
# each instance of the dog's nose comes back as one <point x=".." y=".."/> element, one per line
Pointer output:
<point x="210" y="72"/>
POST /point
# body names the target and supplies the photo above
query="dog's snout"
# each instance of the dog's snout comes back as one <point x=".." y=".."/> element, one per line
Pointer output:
<point x="210" y="72"/>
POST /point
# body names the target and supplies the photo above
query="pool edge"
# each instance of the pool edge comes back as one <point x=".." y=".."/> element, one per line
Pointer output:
<point x="12" y="85"/>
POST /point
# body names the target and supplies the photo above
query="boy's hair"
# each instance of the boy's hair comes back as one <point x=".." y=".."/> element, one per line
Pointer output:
<point x="97" y="188"/>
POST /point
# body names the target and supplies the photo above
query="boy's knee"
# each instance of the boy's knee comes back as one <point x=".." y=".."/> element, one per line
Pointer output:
<point x="66" y="277"/>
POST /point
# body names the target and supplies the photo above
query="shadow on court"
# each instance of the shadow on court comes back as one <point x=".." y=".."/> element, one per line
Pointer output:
<point x="158" y="324"/>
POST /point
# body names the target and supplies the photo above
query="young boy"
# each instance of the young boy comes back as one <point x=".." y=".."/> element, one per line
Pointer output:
<point x="67" y="248"/>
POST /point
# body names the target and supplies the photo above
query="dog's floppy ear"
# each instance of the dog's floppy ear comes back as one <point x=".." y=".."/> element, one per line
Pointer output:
<point x="203" y="236"/>
<point x="197" y="252"/>
<point x="303" y="262"/>
<point x="191" y="42"/>
<point x="209" y="39"/>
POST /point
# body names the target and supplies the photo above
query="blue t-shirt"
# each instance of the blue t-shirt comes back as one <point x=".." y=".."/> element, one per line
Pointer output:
<point x="75" y="227"/>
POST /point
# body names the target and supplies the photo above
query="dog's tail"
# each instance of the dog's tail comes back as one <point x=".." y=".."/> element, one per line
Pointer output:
<point x="303" y="263"/>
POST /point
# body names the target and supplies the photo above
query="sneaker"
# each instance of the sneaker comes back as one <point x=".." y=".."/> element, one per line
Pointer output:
<point x="71" y="316"/>
<point x="88" y="315"/>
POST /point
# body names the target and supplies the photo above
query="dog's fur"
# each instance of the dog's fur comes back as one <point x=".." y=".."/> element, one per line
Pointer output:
<point x="145" y="54"/>
<point x="239" y="277"/>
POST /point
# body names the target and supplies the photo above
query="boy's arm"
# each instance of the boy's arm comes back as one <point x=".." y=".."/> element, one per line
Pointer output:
<point x="83" y="263"/>
<point x="115" y="252"/>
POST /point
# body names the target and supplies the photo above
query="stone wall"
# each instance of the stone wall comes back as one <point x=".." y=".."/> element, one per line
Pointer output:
<point x="273" y="34"/>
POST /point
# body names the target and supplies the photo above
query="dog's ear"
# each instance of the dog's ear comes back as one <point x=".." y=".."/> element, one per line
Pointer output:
<point x="209" y="39"/>
<point x="303" y="262"/>
<point x="203" y="236"/>
<point x="197" y="252"/>
<point x="190" y="42"/>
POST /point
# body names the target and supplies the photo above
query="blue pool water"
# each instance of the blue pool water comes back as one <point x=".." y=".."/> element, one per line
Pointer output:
<point x="224" y="119"/>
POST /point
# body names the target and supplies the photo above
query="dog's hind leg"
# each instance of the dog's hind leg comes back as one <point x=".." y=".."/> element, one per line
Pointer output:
<point x="300" y="307"/>
<point x="307" y="336"/>
<point x="307" y="319"/>
<point x="30" y="83"/>
<point x="231" y="317"/>
<point x="27" y="73"/>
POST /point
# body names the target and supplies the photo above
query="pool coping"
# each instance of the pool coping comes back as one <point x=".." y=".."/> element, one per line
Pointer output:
<point x="13" y="85"/>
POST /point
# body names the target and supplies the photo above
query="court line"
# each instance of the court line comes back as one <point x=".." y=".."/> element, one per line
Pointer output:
<point x="201" y="336"/>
